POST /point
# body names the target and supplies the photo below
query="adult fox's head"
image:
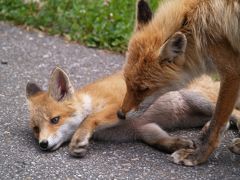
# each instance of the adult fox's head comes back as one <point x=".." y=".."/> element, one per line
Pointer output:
<point x="54" y="116"/>
<point x="154" y="60"/>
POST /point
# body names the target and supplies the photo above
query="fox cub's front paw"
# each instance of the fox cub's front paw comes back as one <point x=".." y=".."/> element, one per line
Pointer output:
<point x="78" y="148"/>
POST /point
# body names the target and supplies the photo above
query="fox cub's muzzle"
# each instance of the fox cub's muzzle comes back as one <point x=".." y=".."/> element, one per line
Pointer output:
<point x="43" y="144"/>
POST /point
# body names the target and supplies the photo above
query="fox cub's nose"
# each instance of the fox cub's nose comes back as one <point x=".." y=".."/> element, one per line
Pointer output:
<point x="43" y="144"/>
<point x="121" y="115"/>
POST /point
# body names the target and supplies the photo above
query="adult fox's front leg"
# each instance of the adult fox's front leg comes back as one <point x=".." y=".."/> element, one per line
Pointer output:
<point x="230" y="81"/>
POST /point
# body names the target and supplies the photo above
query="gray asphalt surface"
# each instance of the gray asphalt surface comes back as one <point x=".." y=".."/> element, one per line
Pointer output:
<point x="30" y="56"/>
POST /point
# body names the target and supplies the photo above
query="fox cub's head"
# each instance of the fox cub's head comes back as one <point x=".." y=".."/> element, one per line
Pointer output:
<point x="153" y="61"/>
<point x="53" y="114"/>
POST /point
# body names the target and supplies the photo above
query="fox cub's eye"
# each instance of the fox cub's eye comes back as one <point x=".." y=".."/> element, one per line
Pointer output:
<point x="55" y="120"/>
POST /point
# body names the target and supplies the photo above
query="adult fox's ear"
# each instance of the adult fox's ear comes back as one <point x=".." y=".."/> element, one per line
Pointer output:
<point x="173" y="47"/>
<point x="60" y="87"/>
<point x="32" y="89"/>
<point x="143" y="14"/>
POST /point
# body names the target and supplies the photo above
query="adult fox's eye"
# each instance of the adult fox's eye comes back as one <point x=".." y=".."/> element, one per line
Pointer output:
<point x="55" y="120"/>
<point x="143" y="89"/>
<point x="36" y="129"/>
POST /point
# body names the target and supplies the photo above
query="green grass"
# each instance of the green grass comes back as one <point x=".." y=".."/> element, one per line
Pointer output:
<point x="89" y="22"/>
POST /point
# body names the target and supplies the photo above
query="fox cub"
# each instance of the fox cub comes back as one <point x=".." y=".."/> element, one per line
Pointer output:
<point x="62" y="113"/>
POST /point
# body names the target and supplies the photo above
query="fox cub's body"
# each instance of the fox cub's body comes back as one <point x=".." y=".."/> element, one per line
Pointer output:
<point x="183" y="40"/>
<point x="62" y="114"/>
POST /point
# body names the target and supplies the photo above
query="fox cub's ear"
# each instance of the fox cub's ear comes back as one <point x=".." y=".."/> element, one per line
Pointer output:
<point x="173" y="47"/>
<point x="60" y="87"/>
<point x="32" y="89"/>
<point x="143" y="14"/>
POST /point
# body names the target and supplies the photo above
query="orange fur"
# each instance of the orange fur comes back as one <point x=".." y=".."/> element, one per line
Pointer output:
<point x="92" y="108"/>
<point x="185" y="39"/>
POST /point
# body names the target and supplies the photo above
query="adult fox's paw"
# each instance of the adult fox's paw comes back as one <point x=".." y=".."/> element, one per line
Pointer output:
<point x="191" y="157"/>
<point x="182" y="157"/>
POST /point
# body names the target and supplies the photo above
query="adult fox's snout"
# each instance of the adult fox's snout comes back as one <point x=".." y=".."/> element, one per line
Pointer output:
<point x="130" y="103"/>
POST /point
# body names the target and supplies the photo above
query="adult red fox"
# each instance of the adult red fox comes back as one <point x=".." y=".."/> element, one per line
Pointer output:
<point x="63" y="113"/>
<point x="184" y="39"/>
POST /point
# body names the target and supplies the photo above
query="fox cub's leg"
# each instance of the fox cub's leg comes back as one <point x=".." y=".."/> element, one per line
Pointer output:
<point x="103" y="119"/>
<point x="155" y="136"/>
<point x="196" y="111"/>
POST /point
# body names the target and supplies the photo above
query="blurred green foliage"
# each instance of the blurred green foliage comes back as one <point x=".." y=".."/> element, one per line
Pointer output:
<point x="103" y="24"/>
